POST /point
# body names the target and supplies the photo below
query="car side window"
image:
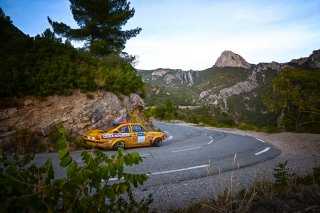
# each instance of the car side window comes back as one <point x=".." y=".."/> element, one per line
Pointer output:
<point x="124" y="129"/>
<point x="138" y="128"/>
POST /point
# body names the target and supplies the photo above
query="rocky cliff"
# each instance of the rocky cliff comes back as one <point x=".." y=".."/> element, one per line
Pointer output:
<point x="77" y="113"/>
<point x="314" y="59"/>
<point x="210" y="98"/>
<point x="169" y="76"/>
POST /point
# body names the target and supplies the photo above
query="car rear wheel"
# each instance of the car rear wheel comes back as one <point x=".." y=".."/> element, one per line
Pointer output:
<point x="157" y="142"/>
<point x="119" y="145"/>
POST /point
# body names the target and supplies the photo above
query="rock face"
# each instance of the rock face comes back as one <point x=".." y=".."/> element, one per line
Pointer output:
<point x="314" y="59"/>
<point x="170" y="76"/>
<point x="230" y="59"/>
<point x="299" y="61"/>
<point x="240" y="87"/>
<point x="77" y="113"/>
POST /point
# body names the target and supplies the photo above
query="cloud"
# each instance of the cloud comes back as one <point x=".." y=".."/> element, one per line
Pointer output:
<point x="200" y="50"/>
<point x="193" y="36"/>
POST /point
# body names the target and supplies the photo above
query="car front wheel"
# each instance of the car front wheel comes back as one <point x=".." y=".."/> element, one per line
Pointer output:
<point x="157" y="142"/>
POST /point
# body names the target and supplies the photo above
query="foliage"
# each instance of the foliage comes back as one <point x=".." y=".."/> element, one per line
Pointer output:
<point x="44" y="66"/>
<point x="281" y="174"/>
<point x="27" y="187"/>
<point x="166" y="111"/>
<point x="119" y="76"/>
<point x="204" y="115"/>
<point x="100" y="23"/>
<point x="295" y="96"/>
<point x="249" y="108"/>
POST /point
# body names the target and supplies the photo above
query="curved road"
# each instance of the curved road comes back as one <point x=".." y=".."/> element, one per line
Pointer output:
<point x="182" y="169"/>
<point x="191" y="152"/>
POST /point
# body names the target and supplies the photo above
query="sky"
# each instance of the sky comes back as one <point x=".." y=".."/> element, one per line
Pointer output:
<point x="192" y="34"/>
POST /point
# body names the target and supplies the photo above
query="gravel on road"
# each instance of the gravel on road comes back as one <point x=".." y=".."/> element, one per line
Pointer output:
<point x="301" y="150"/>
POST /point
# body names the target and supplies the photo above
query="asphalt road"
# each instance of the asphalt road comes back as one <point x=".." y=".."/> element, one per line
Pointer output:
<point x="192" y="152"/>
<point x="180" y="167"/>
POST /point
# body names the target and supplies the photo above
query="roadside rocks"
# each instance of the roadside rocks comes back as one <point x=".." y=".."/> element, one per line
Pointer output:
<point x="77" y="113"/>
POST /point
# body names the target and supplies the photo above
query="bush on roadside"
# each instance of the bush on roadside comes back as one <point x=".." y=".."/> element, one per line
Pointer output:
<point x="28" y="187"/>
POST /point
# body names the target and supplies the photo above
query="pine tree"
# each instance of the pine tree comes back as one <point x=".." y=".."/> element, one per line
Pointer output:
<point x="100" y="25"/>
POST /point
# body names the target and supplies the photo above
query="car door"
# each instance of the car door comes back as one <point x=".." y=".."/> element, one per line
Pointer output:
<point x="123" y="132"/>
<point x="139" y="135"/>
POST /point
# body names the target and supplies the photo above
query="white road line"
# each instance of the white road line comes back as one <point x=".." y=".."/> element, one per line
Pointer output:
<point x="260" y="140"/>
<point x="182" y="150"/>
<point x="179" y="170"/>
<point x="167" y="172"/>
<point x="265" y="150"/>
<point x="166" y="132"/>
<point x="210" y="142"/>
<point x="210" y="137"/>
<point x="170" y="137"/>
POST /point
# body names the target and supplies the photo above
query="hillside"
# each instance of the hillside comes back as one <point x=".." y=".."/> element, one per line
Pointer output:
<point x="30" y="121"/>
<point x="46" y="65"/>
<point x="46" y="82"/>
<point x="232" y="85"/>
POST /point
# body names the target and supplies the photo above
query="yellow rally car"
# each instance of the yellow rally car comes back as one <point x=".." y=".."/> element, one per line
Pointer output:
<point x="124" y="135"/>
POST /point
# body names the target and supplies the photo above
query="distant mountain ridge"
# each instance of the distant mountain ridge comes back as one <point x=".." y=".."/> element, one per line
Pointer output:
<point x="227" y="59"/>
<point x="232" y="84"/>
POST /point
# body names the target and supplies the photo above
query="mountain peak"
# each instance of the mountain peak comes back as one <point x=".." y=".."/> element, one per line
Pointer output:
<point x="230" y="59"/>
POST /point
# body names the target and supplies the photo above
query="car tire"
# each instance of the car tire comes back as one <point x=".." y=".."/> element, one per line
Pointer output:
<point x="157" y="142"/>
<point x="119" y="145"/>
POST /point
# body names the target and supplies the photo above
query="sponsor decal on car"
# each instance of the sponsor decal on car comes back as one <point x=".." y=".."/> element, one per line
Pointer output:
<point x="115" y="135"/>
<point x="141" y="137"/>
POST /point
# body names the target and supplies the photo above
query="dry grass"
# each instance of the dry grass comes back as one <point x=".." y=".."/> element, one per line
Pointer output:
<point x="289" y="193"/>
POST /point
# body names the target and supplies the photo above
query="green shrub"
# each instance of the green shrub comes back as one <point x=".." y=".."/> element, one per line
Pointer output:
<point x="44" y="65"/>
<point x="118" y="76"/>
<point x="247" y="126"/>
<point x="27" y="187"/>
<point x="269" y="129"/>
<point x="281" y="174"/>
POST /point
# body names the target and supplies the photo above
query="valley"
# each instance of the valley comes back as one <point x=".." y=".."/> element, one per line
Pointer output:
<point x="232" y="86"/>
